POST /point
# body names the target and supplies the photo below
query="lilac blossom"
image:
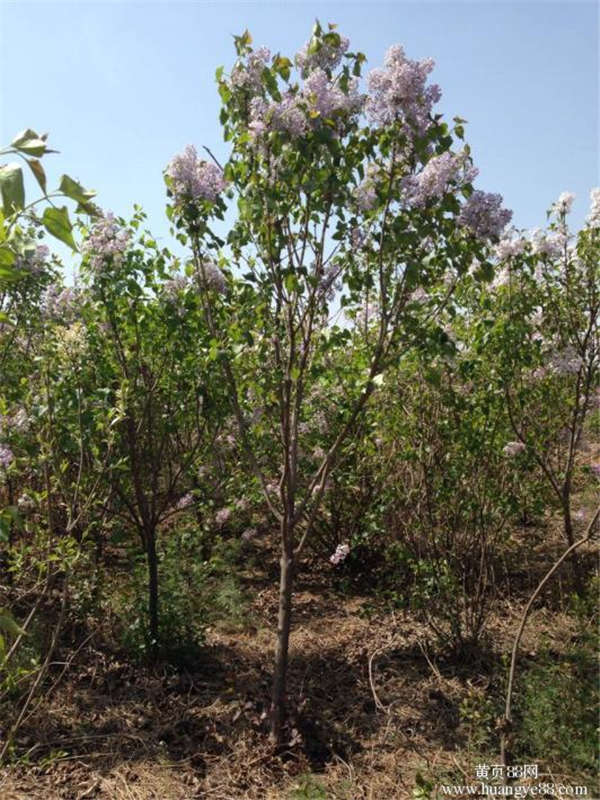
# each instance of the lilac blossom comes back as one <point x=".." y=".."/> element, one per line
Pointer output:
<point x="193" y="179"/>
<point x="357" y="238"/>
<point x="437" y="176"/>
<point x="327" y="57"/>
<point x="222" y="516"/>
<point x="513" y="448"/>
<point x="6" y="456"/>
<point x="33" y="262"/>
<point x="484" y="216"/>
<point x="547" y="244"/>
<point x="510" y="246"/>
<point x="174" y="286"/>
<point x="185" y="501"/>
<point x="564" y="204"/>
<point x="107" y="241"/>
<point x="212" y="277"/>
<point x="341" y="553"/>
<point x="248" y="75"/>
<point x="16" y="422"/>
<point x="502" y="278"/>
<point x="330" y="283"/>
<point x="399" y="91"/>
<point x="566" y="362"/>
<point x="366" y="192"/>
<point x="248" y="534"/>
<point x="288" y="116"/>
<point x="593" y="218"/>
<point x="60" y="303"/>
<point x="324" y="97"/>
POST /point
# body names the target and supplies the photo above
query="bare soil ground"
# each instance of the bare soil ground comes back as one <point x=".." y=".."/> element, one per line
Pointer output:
<point x="372" y="704"/>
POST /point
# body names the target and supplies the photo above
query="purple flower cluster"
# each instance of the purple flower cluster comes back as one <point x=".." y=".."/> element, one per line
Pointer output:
<point x="222" y="516"/>
<point x="193" y="179"/>
<point x="366" y="192"/>
<point x="341" y="553"/>
<point x="593" y="218"/>
<point x="509" y="247"/>
<point x="248" y="75"/>
<point x="174" y="286"/>
<point x="330" y="283"/>
<point x="6" y="456"/>
<point x="16" y="422"/>
<point x="327" y="57"/>
<point x="564" y="203"/>
<point x="212" y="276"/>
<point x="484" y="216"/>
<point x="547" y="244"/>
<point x="436" y="177"/>
<point x="59" y="303"/>
<point x="286" y="115"/>
<point x="33" y="262"/>
<point x="399" y="91"/>
<point x="325" y="98"/>
<point x="566" y="362"/>
<point x="184" y="502"/>
<point x="107" y="241"/>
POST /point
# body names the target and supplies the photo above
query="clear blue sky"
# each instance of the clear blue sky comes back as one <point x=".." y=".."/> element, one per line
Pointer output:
<point x="122" y="86"/>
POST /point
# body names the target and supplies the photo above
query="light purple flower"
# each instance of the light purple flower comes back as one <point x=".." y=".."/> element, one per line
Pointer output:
<point x="185" y="501"/>
<point x="106" y="242"/>
<point x="564" y="204"/>
<point x="484" y="216"/>
<point x="595" y="468"/>
<point x="438" y="175"/>
<point x="193" y="179"/>
<point x="326" y="98"/>
<point x="341" y="553"/>
<point x="547" y="244"/>
<point x="6" y="456"/>
<point x="593" y="218"/>
<point x="248" y="534"/>
<point x="222" y="516"/>
<point x="327" y="57"/>
<point x="248" y="75"/>
<point x="509" y="247"/>
<point x="60" y="303"/>
<point x="399" y="91"/>
<point x="566" y="361"/>
<point x="212" y="277"/>
<point x="33" y="262"/>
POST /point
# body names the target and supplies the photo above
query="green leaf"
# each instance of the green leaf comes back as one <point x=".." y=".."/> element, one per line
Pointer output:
<point x="30" y="142"/>
<point x="7" y="256"/>
<point x="75" y="190"/>
<point x="57" y="223"/>
<point x="38" y="171"/>
<point x="12" y="188"/>
<point x="8" y="623"/>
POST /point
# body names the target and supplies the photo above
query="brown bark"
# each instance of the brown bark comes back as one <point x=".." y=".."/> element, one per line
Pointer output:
<point x="278" y="700"/>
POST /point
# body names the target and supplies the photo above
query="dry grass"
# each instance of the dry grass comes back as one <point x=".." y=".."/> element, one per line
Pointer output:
<point x="372" y="705"/>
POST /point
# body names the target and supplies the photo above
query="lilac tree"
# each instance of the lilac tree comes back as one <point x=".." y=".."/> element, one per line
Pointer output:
<point x="350" y="207"/>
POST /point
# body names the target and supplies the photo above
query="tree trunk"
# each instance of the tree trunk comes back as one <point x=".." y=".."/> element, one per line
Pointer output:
<point x="578" y="580"/>
<point x="278" y="700"/>
<point x="150" y="537"/>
